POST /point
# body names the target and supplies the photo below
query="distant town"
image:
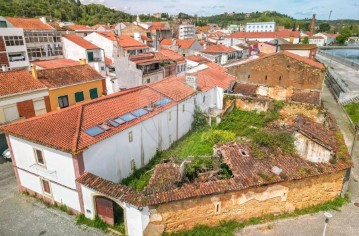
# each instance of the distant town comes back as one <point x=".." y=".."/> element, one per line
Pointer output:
<point x="173" y="125"/>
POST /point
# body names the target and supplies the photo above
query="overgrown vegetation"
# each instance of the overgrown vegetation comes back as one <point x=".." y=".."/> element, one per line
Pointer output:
<point x="353" y="111"/>
<point x="96" y="223"/>
<point x="197" y="145"/>
<point x="226" y="228"/>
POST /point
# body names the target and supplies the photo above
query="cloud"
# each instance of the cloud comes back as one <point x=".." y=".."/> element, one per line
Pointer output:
<point x="169" y="6"/>
<point x="301" y="13"/>
<point x="213" y="7"/>
<point x="93" y="1"/>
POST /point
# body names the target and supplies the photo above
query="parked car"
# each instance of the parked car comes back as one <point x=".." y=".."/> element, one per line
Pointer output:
<point x="6" y="155"/>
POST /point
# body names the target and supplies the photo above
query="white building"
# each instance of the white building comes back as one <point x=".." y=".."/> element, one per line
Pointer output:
<point x="187" y="32"/>
<point x="108" y="138"/>
<point x="77" y="48"/>
<point x="13" y="51"/>
<point x="260" y="27"/>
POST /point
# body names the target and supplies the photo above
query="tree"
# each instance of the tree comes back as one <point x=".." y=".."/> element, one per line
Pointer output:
<point x="305" y="40"/>
<point x="324" y="27"/>
<point x="344" y="35"/>
<point x="305" y="26"/>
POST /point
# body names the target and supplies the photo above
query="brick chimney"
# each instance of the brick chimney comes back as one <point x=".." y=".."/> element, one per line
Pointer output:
<point x="312" y="26"/>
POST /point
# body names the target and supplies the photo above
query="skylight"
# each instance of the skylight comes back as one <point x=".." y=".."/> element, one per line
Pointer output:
<point x="94" y="131"/>
<point x="113" y="123"/>
<point x="162" y="102"/>
<point x="140" y="112"/>
<point x="119" y="121"/>
<point x="127" y="117"/>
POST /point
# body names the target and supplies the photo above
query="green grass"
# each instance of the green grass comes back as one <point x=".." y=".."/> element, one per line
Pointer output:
<point x="199" y="141"/>
<point x="353" y="112"/>
<point x="95" y="223"/>
<point x="226" y="228"/>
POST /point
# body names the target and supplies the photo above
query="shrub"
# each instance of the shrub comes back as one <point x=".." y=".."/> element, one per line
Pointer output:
<point x="218" y="136"/>
<point x="199" y="120"/>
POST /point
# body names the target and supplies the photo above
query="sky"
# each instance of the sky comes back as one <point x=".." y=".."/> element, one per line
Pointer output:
<point x="299" y="9"/>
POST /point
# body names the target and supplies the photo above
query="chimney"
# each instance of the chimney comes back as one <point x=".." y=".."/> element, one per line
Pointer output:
<point x="291" y="39"/>
<point x="312" y="26"/>
<point x="34" y="71"/>
<point x="4" y="68"/>
<point x="82" y="61"/>
<point x="191" y="80"/>
<point x="43" y="20"/>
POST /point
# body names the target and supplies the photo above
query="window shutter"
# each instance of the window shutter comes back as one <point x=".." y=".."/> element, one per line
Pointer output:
<point x="90" y="56"/>
<point x="93" y="93"/>
<point x="79" y="96"/>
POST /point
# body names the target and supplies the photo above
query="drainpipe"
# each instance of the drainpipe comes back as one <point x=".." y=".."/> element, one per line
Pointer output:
<point x="177" y="124"/>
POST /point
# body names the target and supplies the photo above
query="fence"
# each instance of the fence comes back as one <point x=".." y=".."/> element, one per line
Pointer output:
<point x="341" y="60"/>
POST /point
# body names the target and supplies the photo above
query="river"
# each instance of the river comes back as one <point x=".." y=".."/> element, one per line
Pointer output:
<point x="348" y="54"/>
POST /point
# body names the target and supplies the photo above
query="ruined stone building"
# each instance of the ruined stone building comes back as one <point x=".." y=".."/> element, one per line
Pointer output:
<point x="280" y="76"/>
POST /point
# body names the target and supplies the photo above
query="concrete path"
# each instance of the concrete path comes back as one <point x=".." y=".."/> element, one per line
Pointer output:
<point x="23" y="215"/>
<point x="345" y="222"/>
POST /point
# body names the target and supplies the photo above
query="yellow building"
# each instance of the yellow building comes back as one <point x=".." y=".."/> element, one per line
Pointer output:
<point x="70" y="85"/>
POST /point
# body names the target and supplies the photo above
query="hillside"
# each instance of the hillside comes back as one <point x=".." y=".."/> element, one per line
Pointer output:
<point x="65" y="10"/>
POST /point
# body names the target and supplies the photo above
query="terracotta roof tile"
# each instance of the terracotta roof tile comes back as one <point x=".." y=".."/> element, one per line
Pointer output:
<point x="171" y="54"/>
<point x="158" y="26"/>
<point x="197" y="59"/>
<point x="124" y="41"/>
<point x="167" y="42"/>
<point x="21" y="81"/>
<point x="80" y="28"/>
<point x="28" y="23"/>
<point x="80" y="41"/>
<point x="56" y="63"/>
<point x="67" y="76"/>
<point x="65" y="129"/>
<point x="185" y="43"/>
<point x="219" y="48"/>
<point x="298" y="46"/>
<point x="312" y="97"/>
<point x="108" y="61"/>
<point x="246" y="89"/>
<point x="247" y="172"/>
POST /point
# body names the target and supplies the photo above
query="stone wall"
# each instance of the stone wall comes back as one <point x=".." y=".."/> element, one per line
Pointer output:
<point x="279" y="70"/>
<point x="316" y="113"/>
<point x="249" y="104"/>
<point x="245" y="204"/>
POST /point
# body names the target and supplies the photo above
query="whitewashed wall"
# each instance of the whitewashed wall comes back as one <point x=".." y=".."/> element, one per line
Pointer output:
<point x="72" y="50"/>
<point x="104" y="43"/>
<point x="309" y="150"/>
<point x="59" y="171"/>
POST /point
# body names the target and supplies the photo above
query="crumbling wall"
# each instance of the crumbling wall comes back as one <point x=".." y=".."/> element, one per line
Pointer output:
<point x="245" y="204"/>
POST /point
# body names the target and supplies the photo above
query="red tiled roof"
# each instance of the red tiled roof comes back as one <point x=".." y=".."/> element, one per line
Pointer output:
<point x="28" y="23"/>
<point x="312" y="37"/>
<point x="67" y="76"/>
<point x="279" y="34"/>
<point x="21" y="81"/>
<point x="124" y="41"/>
<point x="218" y="48"/>
<point x="56" y="63"/>
<point x="246" y="89"/>
<point x="80" y="41"/>
<point x="166" y="42"/>
<point x="197" y="59"/>
<point x="248" y="172"/>
<point x="210" y="78"/>
<point x="108" y="61"/>
<point x="144" y="58"/>
<point x="172" y="55"/>
<point x="202" y="60"/>
<point x="64" y="129"/>
<point x="290" y="46"/>
<point x="312" y="97"/>
<point x="95" y="27"/>
<point x="80" y="27"/>
<point x="289" y="54"/>
<point x="158" y="26"/>
<point x="185" y="43"/>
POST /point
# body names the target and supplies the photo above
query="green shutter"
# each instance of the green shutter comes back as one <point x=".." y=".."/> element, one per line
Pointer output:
<point x="79" y="96"/>
<point x="90" y="56"/>
<point x="93" y="93"/>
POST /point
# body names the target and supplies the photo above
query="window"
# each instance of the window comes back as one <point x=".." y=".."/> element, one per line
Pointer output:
<point x="102" y="68"/>
<point x="46" y="186"/>
<point x="169" y="116"/>
<point x="79" y="96"/>
<point x="195" y="101"/>
<point x="130" y="137"/>
<point x="93" y="93"/>
<point x="217" y="208"/>
<point x="204" y="99"/>
<point x="170" y="138"/>
<point x="13" y="40"/>
<point x="39" y="157"/>
<point x="265" y="78"/>
<point x="63" y="101"/>
<point x="183" y="108"/>
<point x="90" y="56"/>
<point x="3" y="24"/>
<point x="280" y="78"/>
<point x="249" y="76"/>
<point x="148" y="81"/>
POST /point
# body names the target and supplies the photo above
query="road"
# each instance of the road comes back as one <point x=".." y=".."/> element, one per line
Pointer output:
<point x="343" y="223"/>
<point x="24" y="215"/>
